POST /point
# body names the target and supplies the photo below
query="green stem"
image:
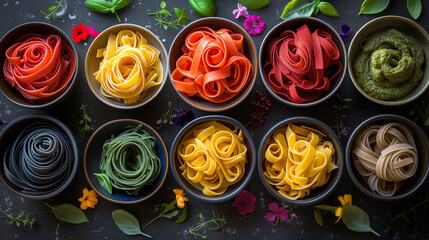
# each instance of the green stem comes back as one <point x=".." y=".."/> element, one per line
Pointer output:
<point x="409" y="210"/>
<point x="117" y="16"/>
<point x="153" y="220"/>
<point x="4" y="213"/>
<point x="146" y="235"/>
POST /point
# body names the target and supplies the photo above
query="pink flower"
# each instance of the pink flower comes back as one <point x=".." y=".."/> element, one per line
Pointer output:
<point x="245" y="202"/>
<point x="80" y="32"/>
<point x="92" y="32"/>
<point x="276" y="213"/>
<point x="241" y="11"/>
<point x="254" y="25"/>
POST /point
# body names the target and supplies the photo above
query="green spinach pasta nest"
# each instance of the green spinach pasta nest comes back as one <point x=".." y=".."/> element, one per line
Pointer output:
<point x="130" y="160"/>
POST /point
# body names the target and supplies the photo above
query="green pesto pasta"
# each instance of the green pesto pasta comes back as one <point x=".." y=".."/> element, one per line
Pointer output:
<point x="130" y="160"/>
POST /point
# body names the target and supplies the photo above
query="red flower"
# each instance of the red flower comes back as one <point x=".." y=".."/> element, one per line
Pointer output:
<point x="245" y="202"/>
<point x="80" y="32"/>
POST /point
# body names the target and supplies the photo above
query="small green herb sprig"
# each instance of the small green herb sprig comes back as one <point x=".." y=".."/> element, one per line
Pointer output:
<point x="165" y="20"/>
<point x="413" y="209"/>
<point x="200" y="229"/>
<point x="85" y="120"/>
<point x="19" y="220"/>
<point x="420" y="112"/>
<point x="306" y="8"/>
<point x="338" y="124"/>
<point x="52" y="10"/>
<point x="168" y="210"/>
<point x="376" y="6"/>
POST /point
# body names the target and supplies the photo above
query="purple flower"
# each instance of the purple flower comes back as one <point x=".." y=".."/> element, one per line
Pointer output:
<point x="254" y="25"/>
<point x="244" y="202"/>
<point x="184" y="116"/>
<point x="276" y="213"/>
<point x="345" y="32"/>
<point x="2" y="122"/>
<point x="241" y="11"/>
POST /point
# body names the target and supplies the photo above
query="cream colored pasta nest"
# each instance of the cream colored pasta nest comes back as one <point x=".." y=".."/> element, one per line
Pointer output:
<point x="297" y="160"/>
<point x="212" y="157"/>
<point x="130" y="67"/>
<point x="385" y="156"/>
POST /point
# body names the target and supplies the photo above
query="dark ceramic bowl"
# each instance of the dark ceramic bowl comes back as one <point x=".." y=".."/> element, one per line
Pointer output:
<point x="232" y="190"/>
<point x="214" y="23"/>
<point x="410" y="185"/>
<point x="10" y="38"/>
<point x="294" y="24"/>
<point x="319" y="193"/>
<point x="404" y="25"/>
<point x="92" y="64"/>
<point x="13" y="129"/>
<point x="92" y="157"/>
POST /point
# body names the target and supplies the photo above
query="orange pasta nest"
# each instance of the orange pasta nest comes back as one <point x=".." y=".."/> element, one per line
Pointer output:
<point x="297" y="160"/>
<point x="130" y="67"/>
<point x="212" y="157"/>
<point x="213" y="65"/>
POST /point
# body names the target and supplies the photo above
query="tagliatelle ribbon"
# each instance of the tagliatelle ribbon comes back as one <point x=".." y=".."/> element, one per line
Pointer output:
<point x="297" y="160"/>
<point x="212" y="157"/>
<point x="39" y="66"/>
<point x="213" y="65"/>
<point x="385" y="156"/>
<point x="301" y="65"/>
<point x="129" y="68"/>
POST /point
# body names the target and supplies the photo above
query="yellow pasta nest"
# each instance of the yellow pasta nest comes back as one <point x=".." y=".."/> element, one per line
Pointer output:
<point x="130" y="67"/>
<point x="297" y="160"/>
<point x="212" y="157"/>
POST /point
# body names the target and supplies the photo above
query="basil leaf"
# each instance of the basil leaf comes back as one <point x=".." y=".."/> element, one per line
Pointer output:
<point x="326" y="207"/>
<point x="98" y="6"/>
<point x="356" y="219"/>
<point x="127" y="222"/>
<point x="254" y="4"/>
<point x="178" y="13"/>
<point x="318" y="217"/>
<point x="104" y="181"/>
<point x="205" y="8"/>
<point x="162" y="4"/>
<point x="298" y="8"/>
<point x="119" y="4"/>
<point x="328" y="10"/>
<point x="373" y="6"/>
<point x="184" y="215"/>
<point x="171" y="214"/>
<point x="414" y="8"/>
<point x="68" y="213"/>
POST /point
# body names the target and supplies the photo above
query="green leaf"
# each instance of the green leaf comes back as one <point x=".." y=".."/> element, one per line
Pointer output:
<point x="347" y="99"/>
<point x="298" y="8"/>
<point x="68" y="213"/>
<point x="205" y="8"/>
<point x="98" y="6"/>
<point x="356" y="219"/>
<point x="214" y="228"/>
<point x="127" y="222"/>
<point x="104" y="181"/>
<point x="165" y="12"/>
<point x="414" y="8"/>
<point x="373" y="6"/>
<point x="328" y="10"/>
<point x="254" y="4"/>
<point x="426" y="123"/>
<point x="318" y="217"/>
<point x="162" y="4"/>
<point x="18" y="223"/>
<point x="326" y="207"/>
<point x="119" y="4"/>
<point x="43" y="12"/>
<point x="20" y="214"/>
<point x="171" y="214"/>
<point x="52" y="8"/>
<point x="169" y="207"/>
<point x="184" y="215"/>
<point x="178" y="12"/>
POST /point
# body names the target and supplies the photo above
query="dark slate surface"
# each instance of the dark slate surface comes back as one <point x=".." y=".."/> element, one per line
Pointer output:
<point x="252" y="226"/>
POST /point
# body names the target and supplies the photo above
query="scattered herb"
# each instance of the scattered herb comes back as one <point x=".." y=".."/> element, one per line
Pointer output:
<point x="206" y="8"/>
<point x="254" y="4"/>
<point x="104" y="181"/>
<point x="68" y="213"/>
<point x="376" y="6"/>
<point x="19" y="220"/>
<point x="166" y="117"/>
<point x="244" y="202"/>
<point x="420" y="112"/>
<point x="345" y="32"/>
<point x="352" y="216"/>
<point x="276" y="213"/>
<point x="2" y="122"/>
<point x="164" y="18"/>
<point x="338" y="124"/>
<point x="182" y="116"/>
<point x="85" y="120"/>
<point x="89" y="199"/>
<point x="413" y="209"/>
<point x="307" y="8"/>
<point x="127" y="222"/>
<point x="52" y="10"/>
<point x="104" y="6"/>
<point x="200" y="229"/>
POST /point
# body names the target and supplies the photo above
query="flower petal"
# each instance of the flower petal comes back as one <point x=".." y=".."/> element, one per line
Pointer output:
<point x="274" y="207"/>
<point x="283" y="216"/>
<point x="271" y="217"/>
<point x="338" y="213"/>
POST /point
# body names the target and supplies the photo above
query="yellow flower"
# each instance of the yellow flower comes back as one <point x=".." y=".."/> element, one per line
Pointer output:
<point x="180" y="198"/>
<point x="346" y="200"/>
<point x="89" y="199"/>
